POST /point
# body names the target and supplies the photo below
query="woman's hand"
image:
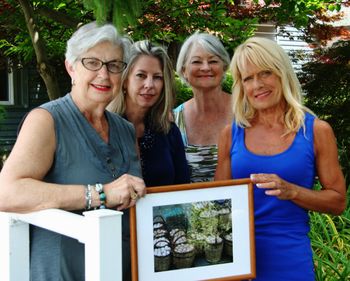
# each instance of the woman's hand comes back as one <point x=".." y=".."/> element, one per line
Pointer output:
<point x="124" y="191"/>
<point x="275" y="186"/>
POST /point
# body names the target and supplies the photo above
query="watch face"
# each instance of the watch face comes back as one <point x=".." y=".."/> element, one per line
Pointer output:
<point x="99" y="187"/>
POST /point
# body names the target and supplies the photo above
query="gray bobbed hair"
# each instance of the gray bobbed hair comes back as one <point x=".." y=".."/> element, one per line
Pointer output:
<point x="209" y="42"/>
<point x="91" y="34"/>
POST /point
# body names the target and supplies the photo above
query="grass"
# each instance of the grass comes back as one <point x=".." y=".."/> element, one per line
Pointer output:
<point x="330" y="240"/>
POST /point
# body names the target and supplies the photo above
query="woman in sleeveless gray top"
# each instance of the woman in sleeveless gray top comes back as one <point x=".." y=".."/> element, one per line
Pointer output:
<point x="74" y="155"/>
<point x="201" y="64"/>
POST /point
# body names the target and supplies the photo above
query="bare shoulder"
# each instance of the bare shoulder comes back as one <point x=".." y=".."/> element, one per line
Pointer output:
<point x="227" y="130"/>
<point x="38" y="117"/>
<point x="225" y="135"/>
<point x="227" y="102"/>
<point x="322" y="129"/>
<point x="38" y="127"/>
<point x="324" y="138"/>
<point x="33" y="152"/>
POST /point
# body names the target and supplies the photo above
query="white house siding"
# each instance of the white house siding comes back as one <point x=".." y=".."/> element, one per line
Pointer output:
<point x="290" y="39"/>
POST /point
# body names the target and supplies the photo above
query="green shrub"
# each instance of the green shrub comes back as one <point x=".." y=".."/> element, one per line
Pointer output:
<point x="326" y="81"/>
<point x="330" y="240"/>
<point x="183" y="92"/>
<point x="227" y="83"/>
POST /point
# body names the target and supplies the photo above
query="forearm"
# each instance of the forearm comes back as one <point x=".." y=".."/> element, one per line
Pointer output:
<point x="331" y="199"/>
<point x="324" y="201"/>
<point x="28" y="195"/>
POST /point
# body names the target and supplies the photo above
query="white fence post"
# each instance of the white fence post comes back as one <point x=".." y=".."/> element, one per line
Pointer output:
<point x="99" y="230"/>
<point x="14" y="249"/>
<point x="103" y="242"/>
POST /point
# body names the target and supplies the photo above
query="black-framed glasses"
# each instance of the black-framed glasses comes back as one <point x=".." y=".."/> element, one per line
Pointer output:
<point x="94" y="64"/>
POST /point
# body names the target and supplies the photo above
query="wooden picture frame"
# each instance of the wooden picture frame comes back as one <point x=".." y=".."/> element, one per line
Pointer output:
<point x="198" y="231"/>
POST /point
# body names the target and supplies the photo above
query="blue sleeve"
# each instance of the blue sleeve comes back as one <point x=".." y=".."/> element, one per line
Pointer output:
<point x="182" y="172"/>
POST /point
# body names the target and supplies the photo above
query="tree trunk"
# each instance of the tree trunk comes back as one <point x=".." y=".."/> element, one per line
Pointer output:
<point x="173" y="51"/>
<point x="45" y="70"/>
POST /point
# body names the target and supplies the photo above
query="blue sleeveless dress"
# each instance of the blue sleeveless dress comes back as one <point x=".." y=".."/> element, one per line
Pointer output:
<point x="81" y="157"/>
<point x="283" y="248"/>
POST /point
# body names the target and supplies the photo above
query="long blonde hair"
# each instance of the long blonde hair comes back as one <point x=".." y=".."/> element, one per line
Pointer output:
<point x="160" y="115"/>
<point x="267" y="55"/>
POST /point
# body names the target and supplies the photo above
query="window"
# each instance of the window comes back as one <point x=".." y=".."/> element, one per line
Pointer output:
<point x="6" y="82"/>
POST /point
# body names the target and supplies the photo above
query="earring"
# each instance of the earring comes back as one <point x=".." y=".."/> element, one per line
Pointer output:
<point x="73" y="82"/>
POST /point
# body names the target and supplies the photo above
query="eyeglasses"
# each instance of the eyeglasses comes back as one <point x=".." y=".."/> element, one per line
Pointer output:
<point x="94" y="64"/>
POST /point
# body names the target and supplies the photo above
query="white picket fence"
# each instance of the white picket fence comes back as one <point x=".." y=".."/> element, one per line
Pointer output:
<point x="99" y="230"/>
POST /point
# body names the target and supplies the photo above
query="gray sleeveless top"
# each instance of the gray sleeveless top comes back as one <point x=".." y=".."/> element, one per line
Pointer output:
<point x="81" y="157"/>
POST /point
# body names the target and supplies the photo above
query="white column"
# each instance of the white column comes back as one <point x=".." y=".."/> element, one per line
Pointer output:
<point x="99" y="230"/>
<point x="103" y="245"/>
<point x="14" y="249"/>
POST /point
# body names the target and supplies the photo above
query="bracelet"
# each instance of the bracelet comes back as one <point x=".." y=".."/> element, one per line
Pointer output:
<point x="88" y="197"/>
<point x="101" y="194"/>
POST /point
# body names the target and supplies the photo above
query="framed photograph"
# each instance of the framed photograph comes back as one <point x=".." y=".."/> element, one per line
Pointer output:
<point x="198" y="231"/>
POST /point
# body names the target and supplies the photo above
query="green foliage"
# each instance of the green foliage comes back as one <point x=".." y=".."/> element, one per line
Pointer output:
<point x="297" y="12"/>
<point x="16" y="42"/>
<point x="211" y="218"/>
<point x="326" y="81"/>
<point x="330" y="240"/>
<point x="172" y="21"/>
<point x="227" y="83"/>
<point x="183" y="92"/>
<point x="167" y="22"/>
<point x="122" y="13"/>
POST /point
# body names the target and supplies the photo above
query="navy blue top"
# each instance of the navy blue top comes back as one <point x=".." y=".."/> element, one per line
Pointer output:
<point x="283" y="248"/>
<point x="163" y="159"/>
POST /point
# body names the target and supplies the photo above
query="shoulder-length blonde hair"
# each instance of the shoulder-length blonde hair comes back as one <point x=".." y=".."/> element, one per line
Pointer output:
<point x="266" y="55"/>
<point x="160" y="114"/>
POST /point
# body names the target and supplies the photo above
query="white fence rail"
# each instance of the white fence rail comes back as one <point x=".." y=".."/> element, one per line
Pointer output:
<point x="99" y="230"/>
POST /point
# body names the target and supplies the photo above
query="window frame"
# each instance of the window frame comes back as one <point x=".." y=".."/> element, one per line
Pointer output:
<point x="10" y="83"/>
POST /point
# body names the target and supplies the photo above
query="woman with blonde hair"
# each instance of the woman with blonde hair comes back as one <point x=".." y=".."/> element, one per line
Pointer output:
<point x="147" y="98"/>
<point x="282" y="146"/>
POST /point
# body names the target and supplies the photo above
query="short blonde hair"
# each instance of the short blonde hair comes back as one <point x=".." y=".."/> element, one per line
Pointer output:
<point x="266" y="54"/>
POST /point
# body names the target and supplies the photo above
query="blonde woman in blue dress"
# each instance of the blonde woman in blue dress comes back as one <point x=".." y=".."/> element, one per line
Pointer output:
<point x="282" y="146"/>
<point x="201" y="64"/>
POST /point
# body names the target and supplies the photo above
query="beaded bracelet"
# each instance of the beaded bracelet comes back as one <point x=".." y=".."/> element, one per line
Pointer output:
<point x="88" y="197"/>
<point x="102" y="195"/>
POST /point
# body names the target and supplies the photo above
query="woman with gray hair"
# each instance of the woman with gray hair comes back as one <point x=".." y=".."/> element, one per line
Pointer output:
<point x="74" y="155"/>
<point x="201" y="64"/>
<point x="146" y="100"/>
<point x="282" y="146"/>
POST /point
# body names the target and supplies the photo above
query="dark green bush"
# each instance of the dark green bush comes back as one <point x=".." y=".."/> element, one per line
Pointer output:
<point x="326" y="81"/>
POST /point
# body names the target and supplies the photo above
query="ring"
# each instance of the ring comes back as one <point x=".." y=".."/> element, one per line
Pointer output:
<point x="133" y="195"/>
